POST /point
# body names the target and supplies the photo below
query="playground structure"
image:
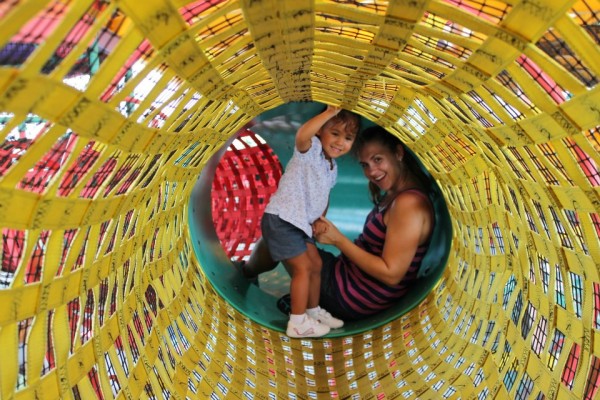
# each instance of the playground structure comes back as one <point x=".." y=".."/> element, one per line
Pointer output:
<point x="109" y="112"/>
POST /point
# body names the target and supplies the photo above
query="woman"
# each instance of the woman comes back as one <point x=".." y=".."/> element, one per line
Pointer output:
<point x="376" y="269"/>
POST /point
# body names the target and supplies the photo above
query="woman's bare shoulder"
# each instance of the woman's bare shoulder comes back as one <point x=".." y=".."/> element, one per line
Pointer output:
<point x="413" y="203"/>
<point x="414" y="197"/>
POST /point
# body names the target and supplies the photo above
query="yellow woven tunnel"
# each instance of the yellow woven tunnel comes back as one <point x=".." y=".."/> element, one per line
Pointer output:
<point x="110" y="109"/>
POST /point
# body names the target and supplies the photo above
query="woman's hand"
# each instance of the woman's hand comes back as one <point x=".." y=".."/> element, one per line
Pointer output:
<point x="326" y="232"/>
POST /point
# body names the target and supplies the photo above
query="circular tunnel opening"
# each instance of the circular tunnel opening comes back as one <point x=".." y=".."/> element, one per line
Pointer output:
<point x="229" y="198"/>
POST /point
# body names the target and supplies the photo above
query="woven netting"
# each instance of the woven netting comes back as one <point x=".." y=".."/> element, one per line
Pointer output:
<point x="244" y="180"/>
<point x="110" y="109"/>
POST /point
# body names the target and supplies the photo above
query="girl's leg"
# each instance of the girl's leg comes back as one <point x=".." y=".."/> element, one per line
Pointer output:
<point x="299" y="268"/>
<point x="314" y="288"/>
<point x="260" y="260"/>
<point x="313" y="309"/>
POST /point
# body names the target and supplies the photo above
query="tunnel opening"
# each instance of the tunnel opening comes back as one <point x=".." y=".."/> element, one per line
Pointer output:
<point x="232" y="192"/>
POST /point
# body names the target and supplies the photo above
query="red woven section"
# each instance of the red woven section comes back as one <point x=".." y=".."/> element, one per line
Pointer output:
<point x="245" y="179"/>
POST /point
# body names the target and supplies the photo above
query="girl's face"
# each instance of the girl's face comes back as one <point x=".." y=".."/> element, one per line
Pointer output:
<point x="380" y="165"/>
<point x="335" y="140"/>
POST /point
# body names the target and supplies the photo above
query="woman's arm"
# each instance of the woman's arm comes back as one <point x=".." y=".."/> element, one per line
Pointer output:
<point x="408" y="225"/>
<point x="311" y="127"/>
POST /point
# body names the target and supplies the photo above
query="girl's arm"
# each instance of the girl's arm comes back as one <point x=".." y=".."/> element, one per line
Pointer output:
<point x="311" y="127"/>
<point x="408" y="225"/>
<point x="319" y="226"/>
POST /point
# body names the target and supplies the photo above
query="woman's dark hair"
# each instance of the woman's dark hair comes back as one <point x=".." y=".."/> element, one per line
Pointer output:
<point x="380" y="135"/>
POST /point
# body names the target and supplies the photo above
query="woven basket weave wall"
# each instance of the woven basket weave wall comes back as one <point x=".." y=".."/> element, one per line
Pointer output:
<point x="110" y="109"/>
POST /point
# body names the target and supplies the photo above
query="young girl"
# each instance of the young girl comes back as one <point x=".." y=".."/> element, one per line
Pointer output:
<point x="301" y="198"/>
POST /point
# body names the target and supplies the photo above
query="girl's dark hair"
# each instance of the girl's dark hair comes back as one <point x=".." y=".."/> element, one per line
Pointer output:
<point x="379" y="135"/>
<point x="350" y="120"/>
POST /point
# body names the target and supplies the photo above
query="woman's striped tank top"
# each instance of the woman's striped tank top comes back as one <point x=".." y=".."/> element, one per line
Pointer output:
<point x="359" y="292"/>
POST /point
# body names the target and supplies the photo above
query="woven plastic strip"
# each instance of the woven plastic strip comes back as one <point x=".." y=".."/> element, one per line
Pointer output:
<point x="110" y="110"/>
<point x="245" y="178"/>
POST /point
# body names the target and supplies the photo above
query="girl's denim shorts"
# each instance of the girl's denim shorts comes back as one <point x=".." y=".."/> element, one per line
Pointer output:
<point x="283" y="239"/>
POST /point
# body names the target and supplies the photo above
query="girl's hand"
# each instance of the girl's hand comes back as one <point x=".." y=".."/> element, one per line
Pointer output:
<point x="333" y="109"/>
<point x="319" y="227"/>
<point x="326" y="233"/>
<point x="312" y="127"/>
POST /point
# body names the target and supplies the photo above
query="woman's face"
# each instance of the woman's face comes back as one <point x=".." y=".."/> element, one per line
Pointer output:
<point x="380" y="165"/>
